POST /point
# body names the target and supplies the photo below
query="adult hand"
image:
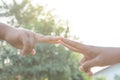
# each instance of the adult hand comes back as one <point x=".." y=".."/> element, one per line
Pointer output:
<point x="25" y="40"/>
<point x="93" y="55"/>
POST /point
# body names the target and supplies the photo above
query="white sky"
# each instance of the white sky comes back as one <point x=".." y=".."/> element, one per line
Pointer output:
<point x="96" y="22"/>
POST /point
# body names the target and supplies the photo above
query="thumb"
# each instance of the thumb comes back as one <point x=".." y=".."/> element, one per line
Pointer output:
<point x="89" y="64"/>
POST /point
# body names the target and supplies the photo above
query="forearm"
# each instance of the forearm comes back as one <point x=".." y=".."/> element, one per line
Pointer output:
<point x="3" y="30"/>
<point x="113" y="54"/>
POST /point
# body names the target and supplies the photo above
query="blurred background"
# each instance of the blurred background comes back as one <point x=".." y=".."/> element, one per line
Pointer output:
<point x="91" y="22"/>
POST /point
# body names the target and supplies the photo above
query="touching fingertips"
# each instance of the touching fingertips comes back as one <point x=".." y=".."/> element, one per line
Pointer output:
<point x="61" y="42"/>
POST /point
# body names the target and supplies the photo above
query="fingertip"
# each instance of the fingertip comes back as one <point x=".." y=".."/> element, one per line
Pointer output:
<point x="80" y="62"/>
<point x="89" y="73"/>
<point x="22" y="53"/>
<point x="57" y="39"/>
<point x="33" y="52"/>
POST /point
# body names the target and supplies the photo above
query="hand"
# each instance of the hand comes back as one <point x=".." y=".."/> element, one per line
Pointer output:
<point x="25" y="40"/>
<point x="93" y="56"/>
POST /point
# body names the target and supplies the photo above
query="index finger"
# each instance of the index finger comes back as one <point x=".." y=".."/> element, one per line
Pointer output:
<point x="83" y="48"/>
<point x="46" y="39"/>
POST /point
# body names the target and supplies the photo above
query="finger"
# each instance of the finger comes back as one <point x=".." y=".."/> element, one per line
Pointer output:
<point x="83" y="48"/>
<point x="73" y="48"/>
<point x="52" y="42"/>
<point x="21" y="51"/>
<point x="71" y="43"/>
<point x="81" y="68"/>
<point x="32" y="43"/>
<point x="70" y="47"/>
<point x="46" y="39"/>
<point x="89" y="73"/>
<point x="33" y="52"/>
<point x="82" y="61"/>
<point x="89" y="64"/>
<point x="26" y="45"/>
<point x="50" y="39"/>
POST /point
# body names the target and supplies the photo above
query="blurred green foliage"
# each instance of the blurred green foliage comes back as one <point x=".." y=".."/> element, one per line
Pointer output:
<point x="52" y="62"/>
<point x="99" y="78"/>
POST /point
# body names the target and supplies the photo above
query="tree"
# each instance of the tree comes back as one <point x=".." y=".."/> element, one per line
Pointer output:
<point x="52" y="62"/>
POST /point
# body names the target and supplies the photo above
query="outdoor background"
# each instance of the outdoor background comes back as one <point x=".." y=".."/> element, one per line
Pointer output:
<point x="90" y="22"/>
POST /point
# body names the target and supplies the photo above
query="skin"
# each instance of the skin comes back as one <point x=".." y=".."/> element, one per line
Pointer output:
<point x="24" y="39"/>
<point x="93" y="55"/>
